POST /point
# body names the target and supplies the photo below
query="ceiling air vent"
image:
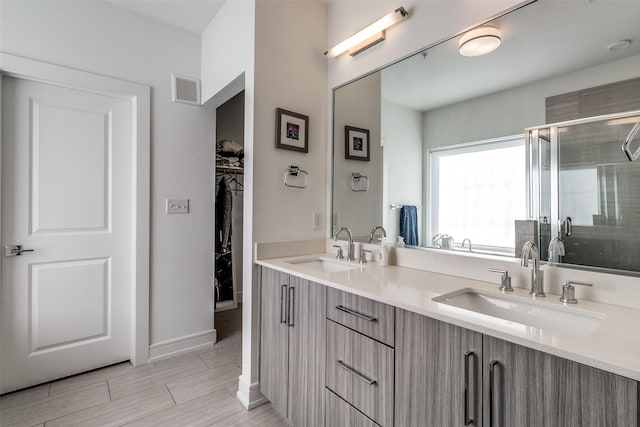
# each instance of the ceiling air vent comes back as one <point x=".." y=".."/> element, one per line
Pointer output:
<point x="185" y="90"/>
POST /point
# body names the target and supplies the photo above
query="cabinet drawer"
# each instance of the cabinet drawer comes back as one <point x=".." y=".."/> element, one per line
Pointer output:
<point x="341" y="414"/>
<point x="360" y="370"/>
<point x="371" y="318"/>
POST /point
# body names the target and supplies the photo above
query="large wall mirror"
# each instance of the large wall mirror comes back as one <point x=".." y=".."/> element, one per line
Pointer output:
<point x="480" y="154"/>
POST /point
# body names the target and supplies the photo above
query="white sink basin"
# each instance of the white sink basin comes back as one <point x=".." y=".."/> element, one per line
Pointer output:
<point x="324" y="265"/>
<point x="572" y="321"/>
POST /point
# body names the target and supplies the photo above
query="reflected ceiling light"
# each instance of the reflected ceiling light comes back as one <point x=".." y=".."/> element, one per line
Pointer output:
<point x="479" y="41"/>
<point x="623" y="121"/>
<point x="621" y="44"/>
<point x="369" y="36"/>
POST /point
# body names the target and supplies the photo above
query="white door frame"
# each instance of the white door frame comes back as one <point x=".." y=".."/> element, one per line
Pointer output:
<point x="139" y="96"/>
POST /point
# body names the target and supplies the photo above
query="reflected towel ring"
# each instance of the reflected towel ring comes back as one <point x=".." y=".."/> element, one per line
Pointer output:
<point x="356" y="178"/>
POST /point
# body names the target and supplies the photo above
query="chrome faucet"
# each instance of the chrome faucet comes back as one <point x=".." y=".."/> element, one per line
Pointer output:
<point x="556" y="249"/>
<point x="529" y="250"/>
<point x="466" y="239"/>
<point x="350" y="256"/>
<point x="373" y="232"/>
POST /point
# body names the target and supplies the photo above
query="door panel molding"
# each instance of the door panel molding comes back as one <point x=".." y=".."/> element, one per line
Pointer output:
<point x="86" y="324"/>
<point x="66" y="215"/>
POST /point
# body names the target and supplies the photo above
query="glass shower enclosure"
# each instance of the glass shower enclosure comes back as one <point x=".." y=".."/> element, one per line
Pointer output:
<point x="584" y="191"/>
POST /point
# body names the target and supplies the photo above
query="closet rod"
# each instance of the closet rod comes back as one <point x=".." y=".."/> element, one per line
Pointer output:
<point x="229" y="170"/>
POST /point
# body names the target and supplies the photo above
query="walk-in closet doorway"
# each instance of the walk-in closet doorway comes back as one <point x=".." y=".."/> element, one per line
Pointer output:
<point x="227" y="253"/>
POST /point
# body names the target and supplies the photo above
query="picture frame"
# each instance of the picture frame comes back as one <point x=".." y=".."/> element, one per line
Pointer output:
<point x="356" y="143"/>
<point x="292" y="131"/>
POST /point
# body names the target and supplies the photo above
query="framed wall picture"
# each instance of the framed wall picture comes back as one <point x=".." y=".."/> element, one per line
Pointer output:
<point x="292" y="131"/>
<point x="356" y="143"/>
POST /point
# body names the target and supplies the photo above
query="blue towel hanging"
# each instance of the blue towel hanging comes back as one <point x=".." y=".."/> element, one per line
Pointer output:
<point x="409" y="224"/>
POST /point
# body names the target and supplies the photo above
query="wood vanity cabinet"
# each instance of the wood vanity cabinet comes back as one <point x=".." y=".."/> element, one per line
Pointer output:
<point x="444" y="375"/>
<point x="293" y="346"/>
<point x="360" y="371"/>
<point x="438" y="373"/>
<point x="525" y="387"/>
<point x="342" y="414"/>
<point x="360" y="360"/>
<point x="498" y="383"/>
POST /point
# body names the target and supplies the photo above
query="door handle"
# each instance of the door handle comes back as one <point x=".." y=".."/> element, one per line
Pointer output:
<point x="15" y="250"/>
<point x="492" y="386"/>
<point x="355" y="373"/>
<point x="292" y="308"/>
<point x="283" y="309"/>
<point x="355" y="313"/>
<point x="568" y="226"/>
<point x="468" y="356"/>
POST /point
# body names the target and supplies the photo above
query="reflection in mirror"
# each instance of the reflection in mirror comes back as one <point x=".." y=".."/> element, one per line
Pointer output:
<point x="356" y="200"/>
<point x="476" y="191"/>
<point x="593" y="196"/>
<point x="448" y="134"/>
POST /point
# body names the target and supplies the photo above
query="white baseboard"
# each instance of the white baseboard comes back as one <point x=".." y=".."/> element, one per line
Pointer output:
<point x="174" y="347"/>
<point x="249" y="394"/>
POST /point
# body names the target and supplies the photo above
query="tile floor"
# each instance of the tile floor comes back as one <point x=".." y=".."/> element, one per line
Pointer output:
<point x="229" y="328"/>
<point x="195" y="389"/>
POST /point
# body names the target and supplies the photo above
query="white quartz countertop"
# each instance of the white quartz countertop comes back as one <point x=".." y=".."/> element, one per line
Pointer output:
<point x="613" y="346"/>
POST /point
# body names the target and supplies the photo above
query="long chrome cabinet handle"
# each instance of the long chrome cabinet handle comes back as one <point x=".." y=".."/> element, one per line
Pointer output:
<point x="355" y="313"/>
<point x="468" y="356"/>
<point x="292" y="309"/>
<point x="283" y="311"/>
<point x="355" y="373"/>
<point x="492" y="384"/>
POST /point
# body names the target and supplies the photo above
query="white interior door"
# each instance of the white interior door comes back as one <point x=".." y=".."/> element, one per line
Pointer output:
<point x="66" y="194"/>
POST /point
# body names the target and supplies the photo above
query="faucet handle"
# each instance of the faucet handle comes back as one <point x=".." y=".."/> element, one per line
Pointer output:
<point x="505" y="283"/>
<point x="363" y="256"/>
<point x="339" y="254"/>
<point x="569" y="292"/>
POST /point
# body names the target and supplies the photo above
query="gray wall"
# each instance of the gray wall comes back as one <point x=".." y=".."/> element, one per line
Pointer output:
<point x="358" y="104"/>
<point x="401" y="130"/>
<point x="510" y="112"/>
<point x="105" y="39"/>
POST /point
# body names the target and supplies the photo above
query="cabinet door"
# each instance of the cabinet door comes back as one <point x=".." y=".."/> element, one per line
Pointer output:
<point x="524" y="387"/>
<point x="274" y="338"/>
<point x="438" y="373"/>
<point x="307" y="350"/>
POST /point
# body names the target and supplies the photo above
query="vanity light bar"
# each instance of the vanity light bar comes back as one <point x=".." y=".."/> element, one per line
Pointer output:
<point x="369" y="36"/>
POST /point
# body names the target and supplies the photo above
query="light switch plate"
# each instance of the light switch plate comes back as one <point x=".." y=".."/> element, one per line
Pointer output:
<point x="317" y="221"/>
<point x="177" y="206"/>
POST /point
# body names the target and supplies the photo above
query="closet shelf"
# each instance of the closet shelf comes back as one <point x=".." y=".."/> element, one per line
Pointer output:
<point x="228" y="169"/>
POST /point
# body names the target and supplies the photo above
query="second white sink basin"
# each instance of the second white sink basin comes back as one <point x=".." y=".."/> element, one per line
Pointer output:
<point x="571" y="321"/>
<point x="324" y="265"/>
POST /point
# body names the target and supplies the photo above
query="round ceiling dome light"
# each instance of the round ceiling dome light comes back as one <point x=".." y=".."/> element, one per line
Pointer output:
<point x="621" y="44"/>
<point x="479" y="41"/>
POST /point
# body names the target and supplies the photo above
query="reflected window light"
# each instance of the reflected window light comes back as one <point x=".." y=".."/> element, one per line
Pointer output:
<point x="478" y="190"/>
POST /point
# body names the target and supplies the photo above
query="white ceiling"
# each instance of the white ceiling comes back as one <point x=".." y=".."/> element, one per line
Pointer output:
<point x="189" y="15"/>
<point x="541" y="40"/>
